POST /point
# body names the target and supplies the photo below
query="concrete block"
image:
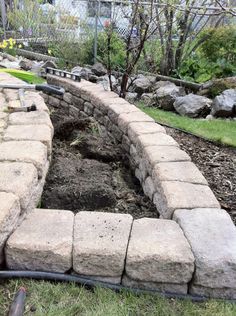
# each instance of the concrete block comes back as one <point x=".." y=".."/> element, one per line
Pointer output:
<point x="100" y="243"/>
<point x="25" y="151"/>
<point x="41" y="133"/>
<point x="126" y="118"/>
<point x="115" y="109"/>
<point x="30" y="118"/>
<point x="9" y="214"/>
<point x="173" y="195"/>
<point x="212" y="236"/>
<point x="42" y="242"/>
<point x="20" y="179"/>
<point x="140" y="128"/>
<point x="158" y="252"/>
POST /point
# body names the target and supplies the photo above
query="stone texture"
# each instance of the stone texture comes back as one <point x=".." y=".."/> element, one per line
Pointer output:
<point x="25" y="151"/>
<point x="100" y="243"/>
<point x="30" y="118"/>
<point x="149" y="188"/>
<point x="224" y="105"/>
<point x="172" y="195"/>
<point x="158" y="252"/>
<point x="9" y="213"/>
<point x="42" y="242"/>
<point x="166" y="95"/>
<point x="157" y="154"/>
<point x="20" y="179"/>
<point x="137" y="129"/>
<point x="67" y="97"/>
<point x="160" y="287"/>
<point x="185" y="171"/>
<point x="134" y="155"/>
<point x="88" y="108"/>
<point x="41" y="133"/>
<point x="37" y="99"/>
<point x="212" y="236"/>
<point x="116" y="109"/>
<point x="156" y="139"/>
<point x="192" y="105"/>
<point x="126" y="118"/>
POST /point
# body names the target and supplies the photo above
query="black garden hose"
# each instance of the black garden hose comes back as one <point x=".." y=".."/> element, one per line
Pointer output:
<point x="90" y="283"/>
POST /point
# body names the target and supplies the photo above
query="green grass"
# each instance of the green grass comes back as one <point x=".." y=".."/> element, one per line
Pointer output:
<point x="26" y="76"/>
<point x="222" y="131"/>
<point x="51" y="299"/>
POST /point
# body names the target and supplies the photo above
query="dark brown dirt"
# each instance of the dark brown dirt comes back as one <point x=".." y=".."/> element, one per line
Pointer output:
<point x="216" y="162"/>
<point x="89" y="172"/>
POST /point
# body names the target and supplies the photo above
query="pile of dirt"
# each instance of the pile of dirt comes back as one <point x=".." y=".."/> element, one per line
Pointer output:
<point x="89" y="172"/>
<point x="216" y="162"/>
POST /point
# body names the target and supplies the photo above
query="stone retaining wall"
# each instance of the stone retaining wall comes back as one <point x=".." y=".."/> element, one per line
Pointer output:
<point x="191" y="249"/>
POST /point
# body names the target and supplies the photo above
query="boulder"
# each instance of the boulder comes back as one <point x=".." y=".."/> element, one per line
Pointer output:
<point x="104" y="81"/>
<point x="224" y="105"/>
<point x="50" y="64"/>
<point x="167" y="94"/>
<point x="192" y="105"/>
<point x="76" y="70"/>
<point x="131" y="97"/>
<point x="99" y="70"/>
<point x="142" y="84"/>
<point x="148" y="98"/>
<point x="160" y="84"/>
<point x="26" y="64"/>
<point x="5" y="63"/>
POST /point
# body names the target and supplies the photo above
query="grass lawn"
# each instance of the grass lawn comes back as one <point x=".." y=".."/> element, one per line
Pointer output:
<point x="223" y="131"/>
<point x="26" y="76"/>
<point x="51" y="299"/>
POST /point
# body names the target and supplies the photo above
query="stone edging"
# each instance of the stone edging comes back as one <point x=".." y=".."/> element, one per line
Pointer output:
<point x="194" y="252"/>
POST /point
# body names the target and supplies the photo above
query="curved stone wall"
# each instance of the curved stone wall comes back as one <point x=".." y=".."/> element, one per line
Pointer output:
<point x="191" y="248"/>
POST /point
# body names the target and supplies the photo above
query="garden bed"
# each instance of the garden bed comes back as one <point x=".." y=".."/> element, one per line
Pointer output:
<point x="216" y="162"/>
<point x="89" y="171"/>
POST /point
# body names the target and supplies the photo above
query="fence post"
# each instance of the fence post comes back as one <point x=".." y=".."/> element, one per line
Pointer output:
<point x="96" y="32"/>
<point x="4" y="17"/>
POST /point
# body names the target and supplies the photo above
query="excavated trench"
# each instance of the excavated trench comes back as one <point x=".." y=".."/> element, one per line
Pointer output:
<point x="90" y="172"/>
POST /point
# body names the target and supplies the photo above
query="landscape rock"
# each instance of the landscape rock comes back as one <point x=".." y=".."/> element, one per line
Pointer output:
<point x="5" y="63"/>
<point x="100" y="243"/>
<point x="167" y="94"/>
<point x="131" y="97"/>
<point x="148" y="98"/>
<point x="49" y="64"/>
<point x="192" y="105"/>
<point x="42" y="242"/>
<point x="158" y="252"/>
<point x="224" y="105"/>
<point x="98" y="69"/>
<point x="212" y="237"/>
<point x="104" y="81"/>
<point x="141" y="85"/>
<point x="26" y="64"/>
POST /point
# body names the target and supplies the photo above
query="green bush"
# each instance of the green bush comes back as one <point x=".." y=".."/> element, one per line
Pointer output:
<point x="215" y="58"/>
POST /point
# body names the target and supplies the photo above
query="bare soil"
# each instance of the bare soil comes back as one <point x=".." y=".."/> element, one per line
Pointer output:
<point x="216" y="162"/>
<point x="90" y="172"/>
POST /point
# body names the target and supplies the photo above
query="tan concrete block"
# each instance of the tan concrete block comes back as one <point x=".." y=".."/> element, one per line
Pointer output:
<point x="212" y="236"/>
<point x="172" y="195"/>
<point x="41" y="133"/>
<point x="100" y="243"/>
<point x="9" y="214"/>
<point x="32" y="97"/>
<point x="25" y="151"/>
<point x="11" y="94"/>
<point x="185" y="171"/>
<point x="137" y="129"/>
<point x="158" y="252"/>
<point x="42" y="242"/>
<point x="126" y="118"/>
<point x="30" y="118"/>
<point x="2" y="123"/>
<point x="160" y="287"/>
<point x="3" y="116"/>
<point x="157" y="154"/>
<point x="115" y="109"/>
<point x="20" y="179"/>
<point x="155" y="139"/>
<point x="149" y="188"/>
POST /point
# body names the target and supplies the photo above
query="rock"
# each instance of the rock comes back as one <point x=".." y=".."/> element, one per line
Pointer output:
<point x="76" y="70"/>
<point x="49" y="64"/>
<point x="167" y="94"/>
<point x="209" y="117"/>
<point x="158" y="252"/>
<point x="131" y="97"/>
<point x="140" y="128"/>
<point x="26" y="64"/>
<point x="42" y="242"/>
<point x="160" y="84"/>
<point x="5" y="63"/>
<point x="9" y="214"/>
<point x="98" y="69"/>
<point x="86" y="73"/>
<point x="141" y="85"/>
<point x="212" y="237"/>
<point x="100" y="243"/>
<point x="224" y="105"/>
<point x="192" y="105"/>
<point x="93" y="78"/>
<point x="148" y="98"/>
<point x="105" y="82"/>
<point x="126" y="118"/>
<point x="37" y="67"/>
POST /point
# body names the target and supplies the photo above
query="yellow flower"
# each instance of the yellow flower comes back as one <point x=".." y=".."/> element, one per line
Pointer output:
<point x="19" y="46"/>
<point x="49" y="51"/>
